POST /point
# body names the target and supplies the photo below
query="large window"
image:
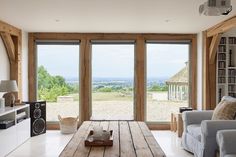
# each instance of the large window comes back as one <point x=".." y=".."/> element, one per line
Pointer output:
<point x="112" y="81"/>
<point x="58" y="78"/>
<point x="167" y="80"/>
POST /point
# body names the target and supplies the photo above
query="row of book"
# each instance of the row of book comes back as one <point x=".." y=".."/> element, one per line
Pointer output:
<point x="232" y="88"/>
<point x="221" y="79"/>
<point x="223" y="40"/>
<point x="231" y="79"/>
<point x="221" y="72"/>
<point x="221" y="56"/>
<point x="232" y="72"/>
<point x="232" y="94"/>
<point x="222" y="48"/>
<point x="221" y="64"/>
<point x="232" y="40"/>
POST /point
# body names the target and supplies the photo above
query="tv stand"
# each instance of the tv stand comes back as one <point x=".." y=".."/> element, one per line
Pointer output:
<point x="16" y="134"/>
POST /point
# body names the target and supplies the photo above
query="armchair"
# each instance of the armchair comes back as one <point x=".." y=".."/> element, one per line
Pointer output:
<point x="199" y="136"/>
<point x="226" y="140"/>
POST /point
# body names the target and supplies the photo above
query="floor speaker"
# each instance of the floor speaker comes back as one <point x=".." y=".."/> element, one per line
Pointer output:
<point x="38" y="117"/>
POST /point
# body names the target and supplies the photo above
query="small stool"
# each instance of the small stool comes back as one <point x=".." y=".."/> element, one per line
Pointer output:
<point x="68" y="125"/>
<point x="176" y="123"/>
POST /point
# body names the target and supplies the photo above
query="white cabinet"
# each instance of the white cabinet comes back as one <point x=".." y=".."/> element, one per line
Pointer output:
<point x="17" y="134"/>
<point x="8" y="140"/>
<point x="23" y="131"/>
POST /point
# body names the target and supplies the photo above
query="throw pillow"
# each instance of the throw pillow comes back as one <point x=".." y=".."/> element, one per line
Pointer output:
<point x="225" y="110"/>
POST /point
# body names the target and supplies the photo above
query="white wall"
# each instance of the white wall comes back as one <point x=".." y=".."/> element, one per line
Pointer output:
<point x="4" y="63"/>
<point x="24" y="66"/>
<point x="199" y="70"/>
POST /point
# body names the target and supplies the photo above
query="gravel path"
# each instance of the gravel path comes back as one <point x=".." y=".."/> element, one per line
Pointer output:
<point x="113" y="110"/>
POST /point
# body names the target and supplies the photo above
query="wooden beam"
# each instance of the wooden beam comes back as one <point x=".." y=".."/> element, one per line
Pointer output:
<point x="32" y="66"/>
<point x="12" y="38"/>
<point x="85" y="80"/>
<point x="10" y="48"/>
<point x="206" y="45"/>
<point x="5" y="27"/>
<point x="222" y="27"/>
<point x="16" y="67"/>
<point x="209" y="76"/>
<point x="111" y="36"/>
<point x="193" y="73"/>
<point x="140" y="87"/>
<point x="213" y="48"/>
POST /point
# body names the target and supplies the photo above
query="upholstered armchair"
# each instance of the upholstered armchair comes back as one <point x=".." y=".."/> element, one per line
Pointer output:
<point x="199" y="136"/>
<point x="226" y="140"/>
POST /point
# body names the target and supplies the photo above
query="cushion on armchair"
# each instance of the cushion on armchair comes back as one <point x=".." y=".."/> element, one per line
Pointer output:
<point x="195" y="131"/>
<point x="226" y="109"/>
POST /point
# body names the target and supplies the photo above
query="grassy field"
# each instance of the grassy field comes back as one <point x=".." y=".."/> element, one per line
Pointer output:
<point x="115" y="105"/>
<point x="118" y="96"/>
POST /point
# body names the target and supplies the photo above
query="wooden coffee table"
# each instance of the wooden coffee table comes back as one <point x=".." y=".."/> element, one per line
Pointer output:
<point x="131" y="139"/>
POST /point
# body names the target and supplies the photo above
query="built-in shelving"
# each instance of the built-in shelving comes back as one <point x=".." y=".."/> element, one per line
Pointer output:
<point x="226" y="67"/>
<point x="16" y="134"/>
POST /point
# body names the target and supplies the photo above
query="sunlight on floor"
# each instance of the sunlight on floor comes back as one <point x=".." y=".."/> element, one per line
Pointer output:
<point x="170" y="144"/>
<point x="47" y="145"/>
<point x="52" y="143"/>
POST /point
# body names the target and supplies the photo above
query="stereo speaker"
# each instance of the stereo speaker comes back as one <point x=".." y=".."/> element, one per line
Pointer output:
<point x="38" y="117"/>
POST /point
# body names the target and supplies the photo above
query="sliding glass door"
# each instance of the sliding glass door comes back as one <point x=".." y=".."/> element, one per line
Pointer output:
<point x="167" y="79"/>
<point x="58" y="78"/>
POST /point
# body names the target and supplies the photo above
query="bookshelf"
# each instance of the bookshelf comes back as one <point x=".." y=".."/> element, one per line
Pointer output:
<point x="226" y="67"/>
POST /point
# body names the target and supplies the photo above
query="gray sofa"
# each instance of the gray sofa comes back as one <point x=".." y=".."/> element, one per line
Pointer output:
<point x="226" y="140"/>
<point x="199" y="136"/>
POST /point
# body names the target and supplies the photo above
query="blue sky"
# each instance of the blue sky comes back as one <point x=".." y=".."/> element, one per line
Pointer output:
<point x="163" y="60"/>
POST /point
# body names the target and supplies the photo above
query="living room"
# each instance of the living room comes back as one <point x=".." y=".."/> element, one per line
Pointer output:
<point x="157" y="77"/>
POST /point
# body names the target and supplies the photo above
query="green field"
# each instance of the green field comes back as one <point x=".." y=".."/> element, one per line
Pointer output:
<point x="114" y="96"/>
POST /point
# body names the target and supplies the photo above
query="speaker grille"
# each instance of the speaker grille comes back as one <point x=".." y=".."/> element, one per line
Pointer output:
<point x="39" y="126"/>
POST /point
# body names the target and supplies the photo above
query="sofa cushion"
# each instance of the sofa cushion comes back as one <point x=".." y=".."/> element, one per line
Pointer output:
<point x="195" y="131"/>
<point x="226" y="109"/>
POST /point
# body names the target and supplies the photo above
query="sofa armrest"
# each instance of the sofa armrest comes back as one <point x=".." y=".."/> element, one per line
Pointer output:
<point x="226" y="140"/>
<point x="195" y="117"/>
<point x="210" y="127"/>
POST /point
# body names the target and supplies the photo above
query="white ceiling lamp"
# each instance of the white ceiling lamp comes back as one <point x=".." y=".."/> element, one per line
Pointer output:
<point x="216" y="7"/>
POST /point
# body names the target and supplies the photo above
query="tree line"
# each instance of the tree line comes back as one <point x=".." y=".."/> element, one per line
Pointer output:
<point x="50" y="87"/>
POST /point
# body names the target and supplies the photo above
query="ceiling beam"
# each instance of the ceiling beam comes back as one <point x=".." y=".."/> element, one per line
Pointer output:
<point x="222" y="27"/>
<point x="4" y="27"/>
<point x="213" y="47"/>
<point x="8" y="42"/>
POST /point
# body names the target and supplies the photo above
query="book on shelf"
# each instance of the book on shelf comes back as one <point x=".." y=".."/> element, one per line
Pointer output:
<point x="232" y="40"/>
<point x="221" y="72"/>
<point x="231" y="80"/>
<point x="222" y="48"/>
<point x="223" y="40"/>
<point x="221" y="56"/>
<point x="221" y="80"/>
<point x="232" y="88"/>
<point x="221" y="64"/>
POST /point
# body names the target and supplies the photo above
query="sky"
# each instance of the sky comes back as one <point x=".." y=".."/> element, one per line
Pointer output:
<point x="113" y="61"/>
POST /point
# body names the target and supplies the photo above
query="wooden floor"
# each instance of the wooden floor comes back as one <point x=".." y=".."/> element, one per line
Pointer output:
<point x="131" y="139"/>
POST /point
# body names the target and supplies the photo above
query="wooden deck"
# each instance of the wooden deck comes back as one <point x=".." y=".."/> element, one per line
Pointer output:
<point x="131" y="139"/>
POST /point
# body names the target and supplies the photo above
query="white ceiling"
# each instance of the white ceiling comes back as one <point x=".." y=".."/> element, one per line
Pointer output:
<point x="118" y="16"/>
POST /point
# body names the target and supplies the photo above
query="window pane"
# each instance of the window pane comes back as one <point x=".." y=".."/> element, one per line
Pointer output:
<point x="167" y="80"/>
<point x="112" y="81"/>
<point x="58" y="79"/>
